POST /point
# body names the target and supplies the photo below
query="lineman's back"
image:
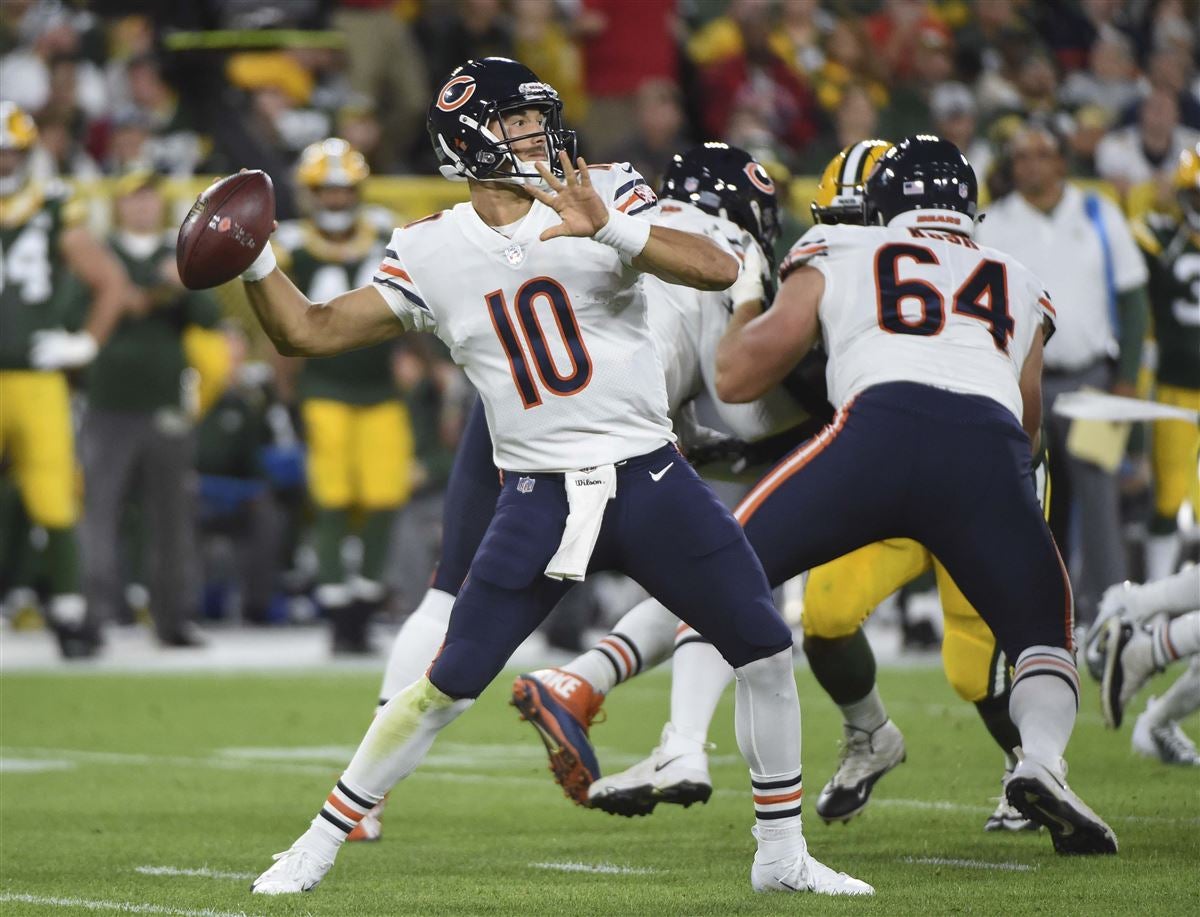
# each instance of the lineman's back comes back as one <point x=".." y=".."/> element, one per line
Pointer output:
<point x="922" y="304"/>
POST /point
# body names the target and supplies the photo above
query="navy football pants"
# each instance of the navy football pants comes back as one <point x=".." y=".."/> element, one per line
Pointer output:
<point x="953" y="472"/>
<point x="671" y="535"/>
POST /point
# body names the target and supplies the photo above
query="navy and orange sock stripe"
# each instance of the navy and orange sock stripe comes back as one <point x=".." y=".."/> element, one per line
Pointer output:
<point x="778" y="797"/>
<point x="344" y="808"/>
<point x="1057" y="663"/>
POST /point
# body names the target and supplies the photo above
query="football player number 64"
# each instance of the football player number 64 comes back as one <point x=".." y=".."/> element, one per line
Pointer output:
<point x="983" y="296"/>
<point x="531" y="346"/>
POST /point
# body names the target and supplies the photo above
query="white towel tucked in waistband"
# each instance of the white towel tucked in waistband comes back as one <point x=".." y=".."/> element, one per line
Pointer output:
<point x="588" y="493"/>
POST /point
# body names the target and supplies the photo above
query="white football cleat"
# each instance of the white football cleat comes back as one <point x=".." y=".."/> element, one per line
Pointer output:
<point x="1041" y="794"/>
<point x="1113" y="604"/>
<point x="676" y="772"/>
<point x="1007" y="818"/>
<point x="804" y="873"/>
<point x="866" y="756"/>
<point x="1167" y="743"/>
<point x="295" y="870"/>
<point x="1128" y="665"/>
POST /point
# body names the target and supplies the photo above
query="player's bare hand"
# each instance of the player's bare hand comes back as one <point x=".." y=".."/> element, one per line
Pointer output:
<point x="573" y="198"/>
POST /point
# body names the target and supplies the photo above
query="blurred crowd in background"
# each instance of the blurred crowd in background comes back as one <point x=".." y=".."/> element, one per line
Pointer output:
<point x="132" y="97"/>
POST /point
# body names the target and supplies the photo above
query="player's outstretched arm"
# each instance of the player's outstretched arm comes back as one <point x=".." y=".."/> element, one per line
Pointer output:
<point x="300" y="328"/>
<point x="760" y="348"/>
<point x="675" y="256"/>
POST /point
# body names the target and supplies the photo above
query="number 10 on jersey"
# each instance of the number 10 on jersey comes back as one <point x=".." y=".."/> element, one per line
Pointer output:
<point x="531" y="346"/>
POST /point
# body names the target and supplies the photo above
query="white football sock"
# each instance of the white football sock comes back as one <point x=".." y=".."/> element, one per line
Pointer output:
<point x="638" y="642"/>
<point x="1175" y="639"/>
<point x="1178" y="701"/>
<point x="1162" y="551"/>
<point x="397" y="741"/>
<point x="1043" y="701"/>
<point x="417" y="643"/>
<point x="1171" y="595"/>
<point x="767" y="723"/>
<point x="699" y="676"/>
<point x="867" y="714"/>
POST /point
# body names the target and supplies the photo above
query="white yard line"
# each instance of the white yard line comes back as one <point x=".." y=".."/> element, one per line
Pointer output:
<point x="968" y="864"/>
<point x="33" y="765"/>
<point x="202" y="872"/>
<point x="122" y="907"/>
<point x="222" y="760"/>
<point x="604" y="868"/>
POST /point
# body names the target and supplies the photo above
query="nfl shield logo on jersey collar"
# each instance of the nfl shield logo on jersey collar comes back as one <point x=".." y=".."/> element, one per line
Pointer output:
<point x="525" y="485"/>
<point x="515" y="254"/>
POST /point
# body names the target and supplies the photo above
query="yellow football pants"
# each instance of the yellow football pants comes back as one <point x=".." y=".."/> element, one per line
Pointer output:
<point x="36" y="436"/>
<point x="840" y="595"/>
<point x="358" y="456"/>
<point x="1173" y="456"/>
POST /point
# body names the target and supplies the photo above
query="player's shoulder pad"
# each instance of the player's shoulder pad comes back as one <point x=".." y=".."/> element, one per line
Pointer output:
<point x="1147" y="230"/>
<point x="814" y="244"/>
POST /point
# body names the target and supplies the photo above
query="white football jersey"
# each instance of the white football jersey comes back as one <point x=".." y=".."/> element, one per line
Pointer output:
<point x="687" y="325"/>
<point x="552" y="334"/>
<point x="909" y="304"/>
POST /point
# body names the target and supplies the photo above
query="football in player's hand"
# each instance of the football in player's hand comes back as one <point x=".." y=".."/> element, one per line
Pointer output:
<point x="225" y="230"/>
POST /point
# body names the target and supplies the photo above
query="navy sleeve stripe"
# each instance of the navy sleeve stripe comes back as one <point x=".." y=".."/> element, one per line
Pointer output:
<point x="646" y="206"/>
<point x="391" y="254"/>
<point x="627" y="187"/>
<point x="408" y="294"/>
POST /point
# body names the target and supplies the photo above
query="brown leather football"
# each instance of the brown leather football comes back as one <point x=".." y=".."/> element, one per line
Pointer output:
<point x="225" y="230"/>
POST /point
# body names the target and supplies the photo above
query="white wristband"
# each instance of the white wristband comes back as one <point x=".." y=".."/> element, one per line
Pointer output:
<point x="624" y="233"/>
<point x="261" y="266"/>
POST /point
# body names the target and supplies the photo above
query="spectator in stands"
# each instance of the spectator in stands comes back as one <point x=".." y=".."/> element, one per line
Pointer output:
<point x="1088" y="127"/>
<point x="1110" y="82"/>
<point x="799" y="36"/>
<point x="759" y="79"/>
<point x="47" y="33"/>
<point x="993" y="24"/>
<point x="952" y="110"/>
<point x="1037" y="86"/>
<point x="1081" y="248"/>
<point x="720" y="38"/>
<point x="855" y="119"/>
<point x="625" y="43"/>
<point x="466" y="30"/>
<point x="60" y="153"/>
<point x="849" y="60"/>
<point x="908" y="112"/>
<point x="137" y="437"/>
<point x="896" y="34"/>
<point x="660" y="130"/>
<point x="176" y="146"/>
<point x="357" y="122"/>
<point x="1172" y="70"/>
<point x="385" y="63"/>
<point x="1139" y="153"/>
<point x="541" y="43"/>
<point x="128" y="142"/>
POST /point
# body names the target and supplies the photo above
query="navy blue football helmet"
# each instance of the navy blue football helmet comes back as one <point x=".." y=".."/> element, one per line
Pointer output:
<point x="923" y="173"/>
<point x="472" y="97"/>
<point x="730" y="183"/>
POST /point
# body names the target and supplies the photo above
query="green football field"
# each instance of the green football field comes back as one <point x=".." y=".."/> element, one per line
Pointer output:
<point x="165" y="794"/>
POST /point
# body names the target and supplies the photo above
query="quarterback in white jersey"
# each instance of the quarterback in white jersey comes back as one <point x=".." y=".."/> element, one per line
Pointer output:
<point x="935" y="349"/>
<point x="534" y="286"/>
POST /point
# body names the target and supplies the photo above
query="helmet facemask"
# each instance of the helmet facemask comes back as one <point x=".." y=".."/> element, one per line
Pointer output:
<point x="495" y="160"/>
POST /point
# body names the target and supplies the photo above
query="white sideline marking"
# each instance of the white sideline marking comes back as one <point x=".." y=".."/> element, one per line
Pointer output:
<point x="203" y="872"/>
<point x="33" y="765"/>
<point x="968" y="864"/>
<point x="605" y="868"/>
<point x="124" y="907"/>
